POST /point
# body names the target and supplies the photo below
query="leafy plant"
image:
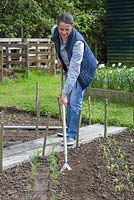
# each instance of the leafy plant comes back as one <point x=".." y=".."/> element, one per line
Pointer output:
<point x="114" y="78"/>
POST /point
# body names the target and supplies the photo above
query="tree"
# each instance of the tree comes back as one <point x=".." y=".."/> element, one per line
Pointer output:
<point x="34" y="18"/>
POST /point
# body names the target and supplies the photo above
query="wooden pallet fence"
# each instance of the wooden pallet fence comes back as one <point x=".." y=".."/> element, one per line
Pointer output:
<point x="16" y="55"/>
<point x="42" y="56"/>
<point x="1" y="64"/>
<point x="40" y="53"/>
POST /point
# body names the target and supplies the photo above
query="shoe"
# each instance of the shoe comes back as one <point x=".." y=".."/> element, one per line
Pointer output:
<point x="70" y="142"/>
<point x="60" y="134"/>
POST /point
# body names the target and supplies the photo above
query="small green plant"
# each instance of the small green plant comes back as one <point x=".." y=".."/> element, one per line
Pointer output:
<point x="119" y="187"/>
<point x="116" y="163"/>
<point x="34" y="165"/>
<point x="53" y="197"/>
<point x="113" y="167"/>
<point x="53" y="166"/>
<point x="54" y="173"/>
<point x="106" y="154"/>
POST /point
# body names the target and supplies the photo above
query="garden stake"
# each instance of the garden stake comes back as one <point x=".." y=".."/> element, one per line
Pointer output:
<point x="37" y="94"/>
<point x="37" y="118"/>
<point x="78" y="128"/>
<point x="64" y="139"/>
<point x="133" y="116"/>
<point x="45" y="135"/>
<point x="37" y="109"/>
<point x="105" y="118"/>
<point x="89" y="108"/>
<point x="1" y="146"/>
<point x="1" y="64"/>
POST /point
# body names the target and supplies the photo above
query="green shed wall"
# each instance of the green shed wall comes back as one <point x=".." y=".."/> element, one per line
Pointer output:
<point x="120" y="31"/>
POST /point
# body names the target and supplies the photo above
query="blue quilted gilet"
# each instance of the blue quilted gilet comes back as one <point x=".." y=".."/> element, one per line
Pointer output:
<point x="88" y="64"/>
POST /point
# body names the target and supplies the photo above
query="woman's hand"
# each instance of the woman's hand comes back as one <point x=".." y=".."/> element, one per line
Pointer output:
<point x="63" y="99"/>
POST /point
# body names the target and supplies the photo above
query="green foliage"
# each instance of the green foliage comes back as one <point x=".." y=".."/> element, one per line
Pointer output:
<point x="114" y="78"/>
<point x="26" y="14"/>
<point x="34" y="18"/>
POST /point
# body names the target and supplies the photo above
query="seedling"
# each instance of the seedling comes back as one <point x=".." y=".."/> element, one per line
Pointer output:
<point x="112" y="168"/>
<point x="119" y="187"/>
<point x="34" y="164"/>
<point x="53" y="166"/>
<point x="53" y="170"/>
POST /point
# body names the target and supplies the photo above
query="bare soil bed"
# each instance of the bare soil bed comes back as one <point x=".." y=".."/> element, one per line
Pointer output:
<point x="101" y="170"/>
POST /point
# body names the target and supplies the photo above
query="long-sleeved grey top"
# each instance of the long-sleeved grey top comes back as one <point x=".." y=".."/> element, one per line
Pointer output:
<point x="74" y="65"/>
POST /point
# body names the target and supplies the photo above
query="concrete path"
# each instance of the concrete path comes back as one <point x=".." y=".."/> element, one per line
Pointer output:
<point x="18" y="153"/>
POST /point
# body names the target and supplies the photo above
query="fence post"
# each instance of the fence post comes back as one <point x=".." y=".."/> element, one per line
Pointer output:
<point x="53" y="58"/>
<point x="1" y="64"/>
<point x="105" y="117"/>
<point x="27" y="58"/>
<point x="38" y="64"/>
<point x="89" y="109"/>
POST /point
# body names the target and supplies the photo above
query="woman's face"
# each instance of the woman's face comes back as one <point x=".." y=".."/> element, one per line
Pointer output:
<point x="64" y="30"/>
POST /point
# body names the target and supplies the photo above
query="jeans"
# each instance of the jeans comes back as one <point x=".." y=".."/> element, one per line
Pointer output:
<point x="74" y="105"/>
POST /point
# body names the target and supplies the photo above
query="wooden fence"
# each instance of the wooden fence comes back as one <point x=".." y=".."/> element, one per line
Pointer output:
<point x="37" y="53"/>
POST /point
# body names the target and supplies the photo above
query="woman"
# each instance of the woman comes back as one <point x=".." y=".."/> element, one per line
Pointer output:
<point x="79" y="65"/>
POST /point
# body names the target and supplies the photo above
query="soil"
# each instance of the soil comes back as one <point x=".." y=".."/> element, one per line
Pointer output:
<point x="101" y="169"/>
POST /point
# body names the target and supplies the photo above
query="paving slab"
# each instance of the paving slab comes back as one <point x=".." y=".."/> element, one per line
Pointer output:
<point x="18" y="153"/>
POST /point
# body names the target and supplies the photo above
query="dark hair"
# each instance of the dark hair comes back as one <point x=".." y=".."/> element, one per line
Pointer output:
<point x="66" y="18"/>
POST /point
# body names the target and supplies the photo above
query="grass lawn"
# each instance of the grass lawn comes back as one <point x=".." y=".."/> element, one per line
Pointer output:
<point x="21" y="93"/>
